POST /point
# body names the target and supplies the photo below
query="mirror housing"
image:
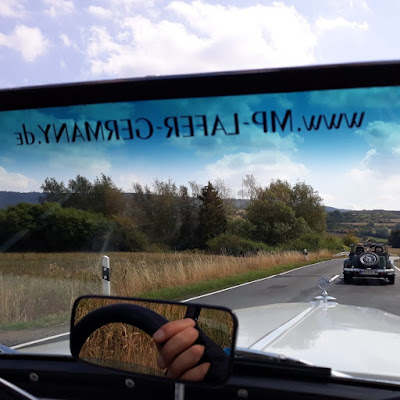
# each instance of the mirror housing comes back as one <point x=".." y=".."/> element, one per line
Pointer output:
<point x="117" y="333"/>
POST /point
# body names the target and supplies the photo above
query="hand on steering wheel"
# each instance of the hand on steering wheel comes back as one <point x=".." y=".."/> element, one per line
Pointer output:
<point x="179" y="353"/>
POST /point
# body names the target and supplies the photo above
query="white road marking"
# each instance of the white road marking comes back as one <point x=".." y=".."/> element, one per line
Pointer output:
<point x="398" y="269"/>
<point x="18" y="346"/>
<point x="248" y="283"/>
<point x="335" y="277"/>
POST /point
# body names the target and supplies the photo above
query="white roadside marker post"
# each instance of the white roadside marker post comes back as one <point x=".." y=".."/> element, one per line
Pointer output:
<point x="305" y="252"/>
<point x="105" y="269"/>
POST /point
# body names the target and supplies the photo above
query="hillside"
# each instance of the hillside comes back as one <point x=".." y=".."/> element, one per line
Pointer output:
<point x="375" y="224"/>
<point x="12" y="198"/>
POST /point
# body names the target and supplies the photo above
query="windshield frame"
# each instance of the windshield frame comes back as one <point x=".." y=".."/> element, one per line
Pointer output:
<point x="284" y="80"/>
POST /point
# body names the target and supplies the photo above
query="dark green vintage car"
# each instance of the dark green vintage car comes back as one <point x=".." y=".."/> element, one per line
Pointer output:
<point x="368" y="261"/>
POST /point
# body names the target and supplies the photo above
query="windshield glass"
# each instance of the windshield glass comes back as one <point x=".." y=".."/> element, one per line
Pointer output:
<point x="193" y="199"/>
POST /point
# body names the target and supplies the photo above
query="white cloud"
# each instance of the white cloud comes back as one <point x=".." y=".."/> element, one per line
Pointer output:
<point x="372" y="191"/>
<point x="66" y="40"/>
<point x="15" y="182"/>
<point x="328" y="198"/>
<point x="325" y="24"/>
<point x="376" y="181"/>
<point x="265" y="166"/>
<point x="30" y="42"/>
<point x="127" y="6"/>
<point x="125" y="181"/>
<point x="75" y="161"/>
<point x="382" y="160"/>
<point x="362" y="4"/>
<point x="59" y="7"/>
<point x="382" y="135"/>
<point x="101" y="43"/>
<point x="194" y="39"/>
<point x="12" y="8"/>
<point x="100" y="12"/>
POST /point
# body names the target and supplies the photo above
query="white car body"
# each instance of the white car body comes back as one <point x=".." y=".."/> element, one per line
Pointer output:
<point x="357" y="341"/>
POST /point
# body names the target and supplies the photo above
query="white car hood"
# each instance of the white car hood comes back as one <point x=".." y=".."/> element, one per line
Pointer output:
<point x="354" y="340"/>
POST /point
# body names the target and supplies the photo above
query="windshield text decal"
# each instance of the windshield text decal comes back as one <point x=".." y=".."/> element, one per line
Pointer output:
<point x="181" y="126"/>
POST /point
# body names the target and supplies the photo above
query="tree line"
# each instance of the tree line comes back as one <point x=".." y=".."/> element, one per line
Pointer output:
<point x="98" y="216"/>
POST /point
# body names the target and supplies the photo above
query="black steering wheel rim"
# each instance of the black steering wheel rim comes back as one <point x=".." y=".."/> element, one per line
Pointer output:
<point x="147" y="320"/>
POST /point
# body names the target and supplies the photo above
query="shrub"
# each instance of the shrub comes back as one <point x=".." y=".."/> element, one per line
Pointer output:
<point x="349" y="239"/>
<point x="240" y="227"/>
<point x="227" y="243"/>
<point x="313" y="241"/>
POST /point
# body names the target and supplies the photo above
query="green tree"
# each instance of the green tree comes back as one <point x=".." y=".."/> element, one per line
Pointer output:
<point x="71" y="229"/>
<point x="80" y="194"/>
<point x="53" y="191"/>
<point x="349" y="239"/>
<point x="101" y="196"/>
<point x="108" y="199"/>
<point x="275" y="222"/>
<point x="241" y="227"/>
<point x="306" y="203"/>
<point x="126" y="236"/>
<point x="250" y="187"/>
<point x="188" y="220"/>
<point x="282" y="190"/>
<point x="303" y="200"/>
<point x="212" y="217"/>
<point x="226" y="195"/>
<point x="165" y="211"/>
<point x="157" y="210"/>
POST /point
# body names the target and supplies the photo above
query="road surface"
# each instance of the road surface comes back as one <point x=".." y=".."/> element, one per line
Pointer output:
<point x="301" y="285"/>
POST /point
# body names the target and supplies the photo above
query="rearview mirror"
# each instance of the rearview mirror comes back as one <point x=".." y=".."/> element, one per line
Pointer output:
<point x="117" y="333"/>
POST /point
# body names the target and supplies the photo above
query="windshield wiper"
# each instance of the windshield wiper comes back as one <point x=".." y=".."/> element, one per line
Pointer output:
<point x="260" y="363"/>
<point x="267" y="356"/>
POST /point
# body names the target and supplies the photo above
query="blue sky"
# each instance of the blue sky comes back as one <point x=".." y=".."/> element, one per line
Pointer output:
<point x="53" y="41"/>
<point x="341" y="164"/>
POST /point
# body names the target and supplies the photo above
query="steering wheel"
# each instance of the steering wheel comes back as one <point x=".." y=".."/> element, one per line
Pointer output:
<point x="148" y="321"/>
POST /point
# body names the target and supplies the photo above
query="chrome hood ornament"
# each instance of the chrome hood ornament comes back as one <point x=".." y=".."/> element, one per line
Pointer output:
<point x="324" y="282"/>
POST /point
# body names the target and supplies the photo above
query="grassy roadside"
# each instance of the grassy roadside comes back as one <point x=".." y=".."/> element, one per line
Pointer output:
<point x="48" y="320"/>
<point x="197" y="289"/>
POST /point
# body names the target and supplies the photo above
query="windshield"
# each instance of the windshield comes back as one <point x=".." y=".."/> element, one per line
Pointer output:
<point x="238" y="189"/>
<point x="185" y="197"/>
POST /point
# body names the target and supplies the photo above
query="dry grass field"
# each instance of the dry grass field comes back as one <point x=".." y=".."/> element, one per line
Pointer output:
<point x="40" y="288"/>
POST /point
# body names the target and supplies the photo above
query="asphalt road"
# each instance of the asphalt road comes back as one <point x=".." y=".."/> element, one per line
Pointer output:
<point x="300" y="285"/>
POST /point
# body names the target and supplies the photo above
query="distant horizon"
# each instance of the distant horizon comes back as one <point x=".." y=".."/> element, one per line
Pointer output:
<point x="231" y="198"/>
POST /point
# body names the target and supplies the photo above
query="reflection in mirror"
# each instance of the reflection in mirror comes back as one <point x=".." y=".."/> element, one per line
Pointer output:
<point x="117" y="333"/>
